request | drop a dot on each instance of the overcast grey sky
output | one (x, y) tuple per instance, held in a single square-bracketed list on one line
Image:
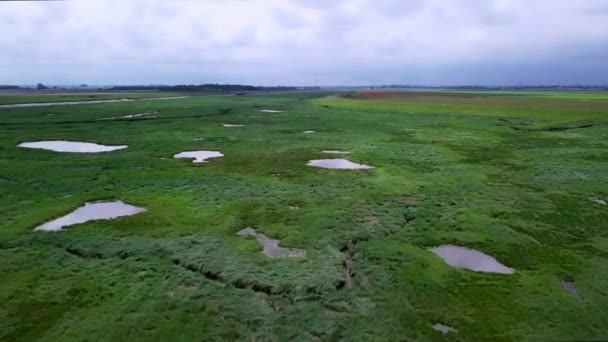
[(295, 42)]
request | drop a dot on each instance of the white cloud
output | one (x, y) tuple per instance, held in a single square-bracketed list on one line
[(298, 41)]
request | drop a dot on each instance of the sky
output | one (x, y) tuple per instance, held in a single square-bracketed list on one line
[(305, 42)]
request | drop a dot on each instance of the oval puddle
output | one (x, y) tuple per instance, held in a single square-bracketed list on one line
[(341, 164), (71, 146), (91, 211), (308, 132), (232, 125), (270, 246), (471, 259), (198, 156), (271, 111)]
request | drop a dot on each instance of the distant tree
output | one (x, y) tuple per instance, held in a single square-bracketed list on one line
[(41, 86)]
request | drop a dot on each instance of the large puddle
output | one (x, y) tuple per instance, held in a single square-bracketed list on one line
[(308, 132), (271, 111), (271, 246), (232, 125), (46, 104), (198, 156), (92, 211), (335, 152), (341, 164), (71, 146), (470, 259)]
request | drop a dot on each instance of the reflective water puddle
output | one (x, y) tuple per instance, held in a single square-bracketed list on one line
[(571, 288), (164, 98), (307, 132), (232, 125), (45, 104), (132, 116), (271, 246), (341, 164), (91, 211), (462, 257), (599, 201), (444, 329), (271, 111), (198, 156), (71, 146), (335, 152)]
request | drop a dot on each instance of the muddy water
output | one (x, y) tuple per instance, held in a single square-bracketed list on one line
[(462, 257), (91, 211), (71, 146), (341, 164), (270, 246), (198, 156)]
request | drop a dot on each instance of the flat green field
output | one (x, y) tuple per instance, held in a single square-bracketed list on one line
[(521, 178)]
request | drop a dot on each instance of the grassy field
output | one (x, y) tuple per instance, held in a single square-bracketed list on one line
[(517, 177)]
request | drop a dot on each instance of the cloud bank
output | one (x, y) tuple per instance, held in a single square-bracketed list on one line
[(301, 42)]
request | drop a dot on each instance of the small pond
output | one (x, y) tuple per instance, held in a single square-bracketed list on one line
[(342, 164), (271, 247), (103, 210), (470, 259), (71, 146), (198, 156)]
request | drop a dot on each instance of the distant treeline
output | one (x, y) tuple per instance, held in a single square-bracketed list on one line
[(4, 86), (203, 87)]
